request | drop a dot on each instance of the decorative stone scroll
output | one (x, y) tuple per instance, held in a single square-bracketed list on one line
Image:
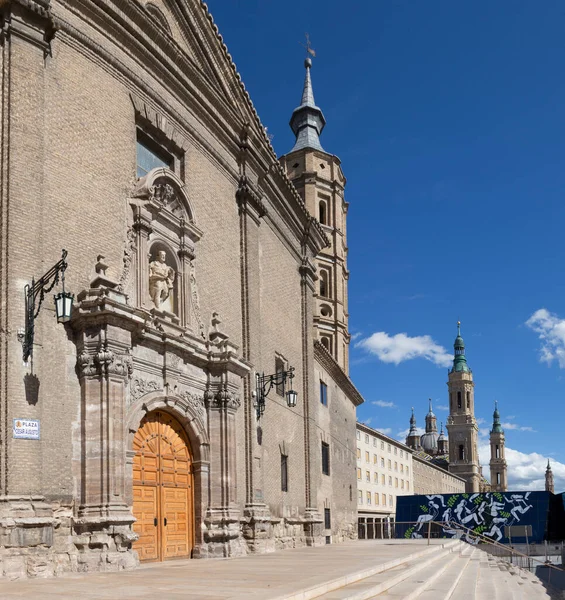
[(139, 387)]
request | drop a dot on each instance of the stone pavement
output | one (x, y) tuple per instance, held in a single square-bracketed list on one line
[(299, 573)]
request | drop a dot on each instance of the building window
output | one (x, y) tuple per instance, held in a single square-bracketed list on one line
[(389, 447), (382, 462), (359, 453), (323, 393), (323, 213), (150, 155), (358, 473), (360, 496), (458, 399), (389, 465), (325, 284), (395, 466), (498, 478), (368, 476), (396, 482), (366, 438), (402, 484), (406, 471), (382, 445), (401, 454), (279, 368), (383, 499), (390, 500), (325, 458), (375, 442), (375, 459), (402, 468), (497, 453), (367, 457), (284, 473), (461, 452), (358, 434), (390, 481), (369, 497), (327, 343), (395, 450), (376, 477), (383, 479), (468, 399), (327, 518), (376, 498)]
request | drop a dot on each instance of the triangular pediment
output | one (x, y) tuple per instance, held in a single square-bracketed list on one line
[(193, 31)]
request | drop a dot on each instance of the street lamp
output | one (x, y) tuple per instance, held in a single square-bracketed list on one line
[(35, 293), (265, 383)]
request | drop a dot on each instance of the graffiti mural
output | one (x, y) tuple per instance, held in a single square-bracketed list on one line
[(482, 513)]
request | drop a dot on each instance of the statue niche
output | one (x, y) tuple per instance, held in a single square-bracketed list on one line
[(162, 279), (163, 249)]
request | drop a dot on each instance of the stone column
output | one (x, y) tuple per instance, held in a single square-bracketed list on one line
[(103, 521), (222, 533), (142, 228)]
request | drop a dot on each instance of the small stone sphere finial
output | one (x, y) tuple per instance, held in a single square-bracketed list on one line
[(308, 62)]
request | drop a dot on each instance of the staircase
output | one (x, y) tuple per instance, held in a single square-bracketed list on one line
[(453, 570)]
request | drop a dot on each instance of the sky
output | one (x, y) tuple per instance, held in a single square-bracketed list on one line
[(449, 120)]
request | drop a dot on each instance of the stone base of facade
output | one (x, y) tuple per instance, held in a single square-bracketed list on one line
[(222, 535)]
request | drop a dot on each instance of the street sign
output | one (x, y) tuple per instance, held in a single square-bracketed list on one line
[(26, 429)]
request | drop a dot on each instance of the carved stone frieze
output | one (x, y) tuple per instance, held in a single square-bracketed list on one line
[(222, 398), (196, 403), (140, 386)]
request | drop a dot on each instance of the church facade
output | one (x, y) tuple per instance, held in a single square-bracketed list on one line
[(197, 403)]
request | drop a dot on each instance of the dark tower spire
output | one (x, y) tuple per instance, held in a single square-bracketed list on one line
[(413, 439), (549, 486), (307, 120), (498, 466)]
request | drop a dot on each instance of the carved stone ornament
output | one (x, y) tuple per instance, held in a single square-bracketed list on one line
[(139, 387), (196, 303), (129, 252), (105, 362), (196, 403), (224, 398)]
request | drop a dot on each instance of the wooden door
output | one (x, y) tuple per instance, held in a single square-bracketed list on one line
[(162, 489)]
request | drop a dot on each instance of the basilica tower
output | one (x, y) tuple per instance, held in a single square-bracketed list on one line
[(462, 428), (498, 468), (319, 180), (549, 487)]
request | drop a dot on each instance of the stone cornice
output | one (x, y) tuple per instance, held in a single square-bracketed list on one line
[(326, 360)]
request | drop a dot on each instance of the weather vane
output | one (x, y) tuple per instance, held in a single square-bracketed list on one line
[(308, 47)]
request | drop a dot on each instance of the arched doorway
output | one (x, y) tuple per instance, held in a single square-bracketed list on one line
[(162, 489)]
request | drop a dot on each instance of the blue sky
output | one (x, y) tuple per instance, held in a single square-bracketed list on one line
[(449, 119)]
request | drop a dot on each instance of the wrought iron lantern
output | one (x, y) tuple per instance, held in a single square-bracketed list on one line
[(265, 383), (34, 296)]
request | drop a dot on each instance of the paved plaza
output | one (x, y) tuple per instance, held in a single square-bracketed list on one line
[(298, 573)]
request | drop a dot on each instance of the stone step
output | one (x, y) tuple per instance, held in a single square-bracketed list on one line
[(444, 587), (369, 587), (434, 577), (466, 587)]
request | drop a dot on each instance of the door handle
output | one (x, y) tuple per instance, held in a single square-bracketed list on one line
[(155, 521), (165, 521)]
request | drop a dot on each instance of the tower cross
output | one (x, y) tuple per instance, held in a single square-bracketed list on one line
[(308, 46)]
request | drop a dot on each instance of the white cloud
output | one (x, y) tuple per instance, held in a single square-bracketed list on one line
[(480, 421), (551, 331), (525, 471), (367, 421), (384, 430), (401, 347), (442, 407), (383, 404), (517, 427)]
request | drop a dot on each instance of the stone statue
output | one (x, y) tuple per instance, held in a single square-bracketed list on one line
[(161, 278)]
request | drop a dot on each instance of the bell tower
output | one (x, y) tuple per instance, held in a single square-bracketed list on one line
[(463, 432), (498, 468), (319, 180)]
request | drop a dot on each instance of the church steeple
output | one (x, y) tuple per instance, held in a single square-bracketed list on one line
[(498, 466), (431, 421), (459, 359), (549, 486), (413, 438), (307, 120)]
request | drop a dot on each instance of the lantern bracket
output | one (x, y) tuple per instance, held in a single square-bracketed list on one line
[(265, 383), (34, 296)]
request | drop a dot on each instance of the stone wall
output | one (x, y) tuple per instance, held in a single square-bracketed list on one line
[(431, 479)]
